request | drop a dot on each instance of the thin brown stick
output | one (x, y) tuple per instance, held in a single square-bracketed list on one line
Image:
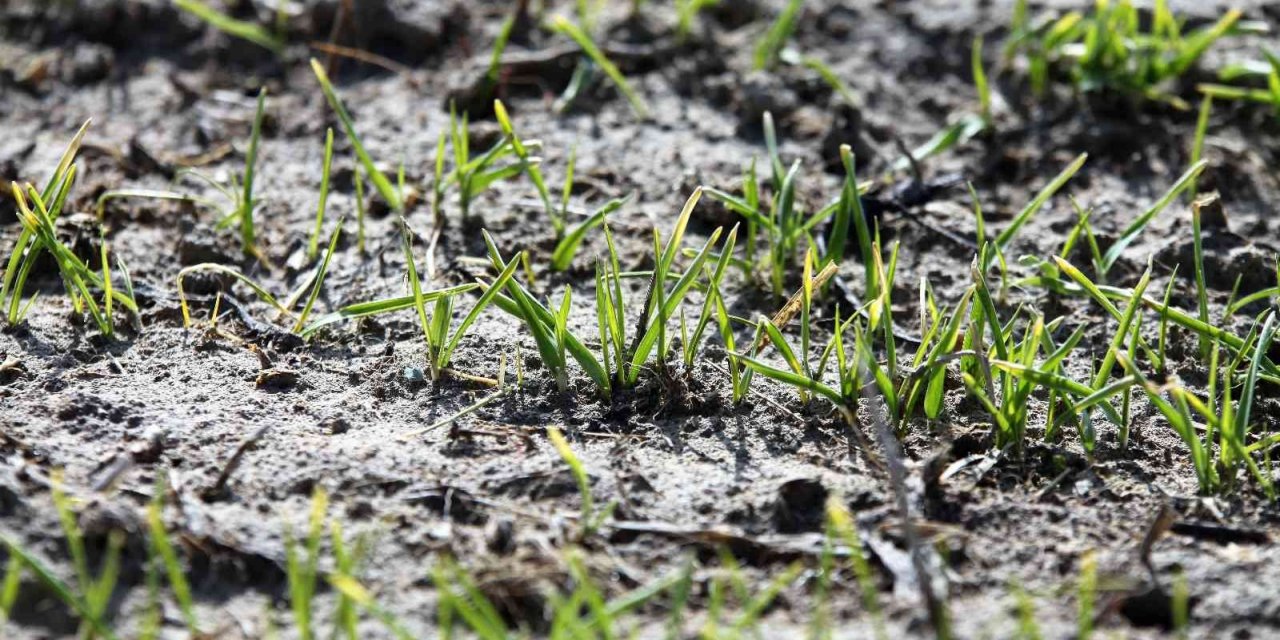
[(365, 57)]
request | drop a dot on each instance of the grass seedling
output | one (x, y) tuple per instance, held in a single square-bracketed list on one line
[(661, 305), (436, 324), (352, 591), (1086, 595), (389, 193), (1005, 238), (345, 561), (686, 12), (591, 518), (78, 277), (825, 72), (1202, 293), (313, 246), (154, 194), (1268, 70), (528, 165), (318, 281), (786, 226), (474, 175), (493, 72), (359, 180), (770, 46), (245, 30), (301, 571), (849, 367), (549, 328), (712, 302), (20, 557), (588, 46), (248, 235), (28, 247), (980, 83), (9, 587), (1028, 628), (650, 341), (1197, 145), (162, 549), (261, 292), (840, 526), (567, 247), (1136, 227), (96, 592)]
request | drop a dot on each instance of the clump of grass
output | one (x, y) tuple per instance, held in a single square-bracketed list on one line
[(436, 324), (622, 357), (28, 246), (786, 226), (1108, 49), (96, 591), (243, 29), (21, 559), (852, 368), (393, 196), (581, 36), (549, 326), (78, 277), (473, 175)]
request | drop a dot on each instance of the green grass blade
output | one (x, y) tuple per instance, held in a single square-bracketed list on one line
[(1005, 237), (568, 245), (490, 291), (560, 24), (245, 30), (770, 46), (1135, 228), (314, 245), (319, 280), (380, 181)]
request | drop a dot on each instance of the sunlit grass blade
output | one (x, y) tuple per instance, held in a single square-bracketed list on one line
[(55, 584), (527, 164), (261, 292), (243, 29), (770, 45), (1135, 228), (161, 548), (559, 23), (248, 233), (319, 279), (568, 245), (378, 307), (313, 245), (380, 181), (1010, 232)]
